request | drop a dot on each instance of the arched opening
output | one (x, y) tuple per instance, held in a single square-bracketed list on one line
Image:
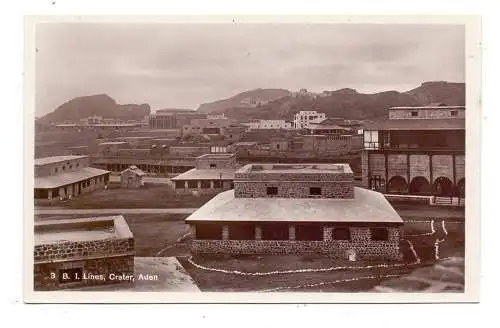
[(461, 187), (397, 184), (420, 185), (443, 187)]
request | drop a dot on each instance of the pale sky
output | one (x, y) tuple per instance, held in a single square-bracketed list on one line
[(184, 65)]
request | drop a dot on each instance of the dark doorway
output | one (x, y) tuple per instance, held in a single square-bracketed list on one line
[(398, 185), (420, 185), (443, 187), (275, 232)]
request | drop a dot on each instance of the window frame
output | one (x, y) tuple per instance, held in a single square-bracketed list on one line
[(272, 191)]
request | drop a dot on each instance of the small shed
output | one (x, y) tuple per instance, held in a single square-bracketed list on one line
[(132, 177)]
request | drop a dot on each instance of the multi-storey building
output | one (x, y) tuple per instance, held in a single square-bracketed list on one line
[(417, 150), (172, 119), (270, 124), (302, 119), (297, 209), (62, 177)]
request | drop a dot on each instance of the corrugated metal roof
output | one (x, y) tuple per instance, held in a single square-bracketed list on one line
[(55, 159), (66, 178)]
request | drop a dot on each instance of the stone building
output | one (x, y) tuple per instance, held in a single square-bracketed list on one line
[(302, 118), (206, 126), (132, 177), (172, 118), (82, 252), (64, 177), (297, 209), (417, 151), (213, 173)]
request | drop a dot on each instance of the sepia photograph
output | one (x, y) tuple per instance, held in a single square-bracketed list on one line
[(262, 157)]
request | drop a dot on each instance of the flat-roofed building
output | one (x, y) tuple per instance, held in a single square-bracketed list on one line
[(213, 173), (172, 118), (63, 177), (297, 209), (417, 151), (71, 253)]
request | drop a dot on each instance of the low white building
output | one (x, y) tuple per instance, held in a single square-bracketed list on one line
[(304, 117), (270, 124)]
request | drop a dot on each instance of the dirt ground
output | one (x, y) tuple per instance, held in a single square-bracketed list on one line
[(150, 196)]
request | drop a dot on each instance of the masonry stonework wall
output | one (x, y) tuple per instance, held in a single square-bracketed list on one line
[(360, 242), (460, 167), (419, 166), (397, 166), (290, 189), (442, 166), (118, 265), (364, 169), (377, 164)]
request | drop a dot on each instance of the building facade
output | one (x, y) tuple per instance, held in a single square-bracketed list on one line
[(132, 177), (213, 173), (82, 252), (65, 177), (270, 124), (417, 151), (297, 209), (172, 119), (302, 119)]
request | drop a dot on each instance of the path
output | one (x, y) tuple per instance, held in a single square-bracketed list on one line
[(98, 211), (159, 180)]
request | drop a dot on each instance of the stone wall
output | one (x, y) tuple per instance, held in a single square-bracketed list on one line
[(335, 248), (442, 166), (46, 274), (420, 166), (71, 250), (360, 242), (293, 189), (203, 163), (426, 114)]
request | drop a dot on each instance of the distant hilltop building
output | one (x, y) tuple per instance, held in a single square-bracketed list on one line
[(302, 119), (253, 102), (297, 209), (418, 151), (172, 119)]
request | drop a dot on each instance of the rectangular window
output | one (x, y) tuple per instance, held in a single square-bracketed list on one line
[(242, 231), (454, 113), (272, 190), (217, 184), (341, 234), (205, 184), (315, 191), (380, 234), (275, 231), (308, 232), (55, 170), (192, 184), (414, 114), (213, 165), (179, 184), (209, 231), (371, 139)]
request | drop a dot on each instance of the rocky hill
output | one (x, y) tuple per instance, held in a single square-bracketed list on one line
[(247, 99), (346, 103), (100, 105)]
